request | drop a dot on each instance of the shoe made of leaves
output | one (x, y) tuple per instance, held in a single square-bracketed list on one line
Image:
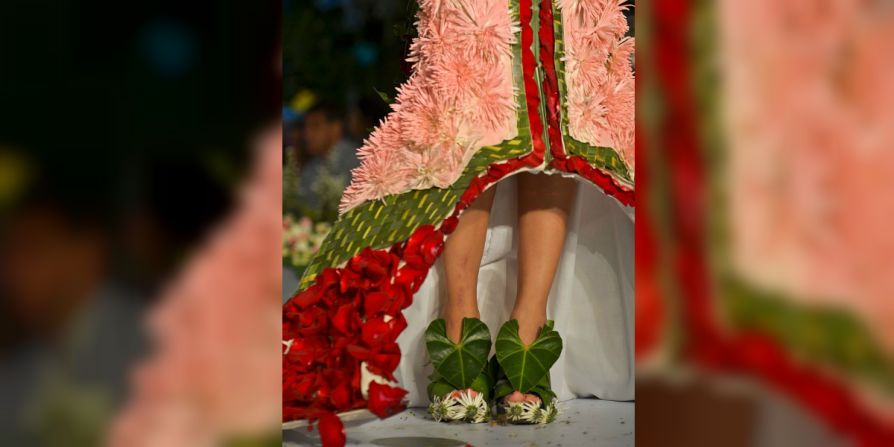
[(525, 368), (461, 385)]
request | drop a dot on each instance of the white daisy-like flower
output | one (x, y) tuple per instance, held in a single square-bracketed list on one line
[(474, 408), (530, 412), (438, 409), (460, 405)]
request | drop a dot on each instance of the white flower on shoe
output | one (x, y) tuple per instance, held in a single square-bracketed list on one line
[(474, 408), (529, 412), (439, 409), (460, 405)]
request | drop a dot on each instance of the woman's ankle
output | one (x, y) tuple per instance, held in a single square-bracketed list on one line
[(529, 324), (454, 319)]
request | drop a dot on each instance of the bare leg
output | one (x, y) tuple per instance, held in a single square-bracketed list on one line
[(544, 203), (462, 259)]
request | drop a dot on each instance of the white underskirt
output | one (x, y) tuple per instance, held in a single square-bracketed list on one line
[(592, 299)]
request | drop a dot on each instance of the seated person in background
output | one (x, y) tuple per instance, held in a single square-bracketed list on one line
[(329, 157)]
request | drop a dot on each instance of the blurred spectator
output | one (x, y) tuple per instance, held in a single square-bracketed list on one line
[(364, 117), (75, 332), (329, 158)]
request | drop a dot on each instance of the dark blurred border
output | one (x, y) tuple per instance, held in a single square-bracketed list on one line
[(125, 130)]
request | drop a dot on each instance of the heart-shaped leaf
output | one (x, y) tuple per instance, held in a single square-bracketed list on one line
[(525, 366), (458, 363)]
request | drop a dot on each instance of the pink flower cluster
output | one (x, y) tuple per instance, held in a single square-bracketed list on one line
[(599, 74), (808, 105), (458, 99), (215, 375)]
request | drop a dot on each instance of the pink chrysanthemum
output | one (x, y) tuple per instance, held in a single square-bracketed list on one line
[(621, 116), (599, 75), (491, 102), (621, 57), (438, 166), (484, 30), (434, 41), (387, 136), (454, 75), (378, 176), (459, 97), (587, 66), (428, 119), (597, 22), (587, 115)]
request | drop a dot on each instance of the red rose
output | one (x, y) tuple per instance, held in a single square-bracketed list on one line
[(389, 300), (291, 413), (327, 279), (349, 282), (411, 280), (375, 265), (301, 387), (311, 321), (288, 332), (346, 318), (450, 224), (306, 350), (302, 300), (383, 361), (397, 250), (377, 332), (384, 400), (332, 432), (423, 247)]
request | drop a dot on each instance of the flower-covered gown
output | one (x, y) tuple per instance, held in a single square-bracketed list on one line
[(499, 87)]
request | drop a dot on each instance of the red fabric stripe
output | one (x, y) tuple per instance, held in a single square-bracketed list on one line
[(550, 81), (529, 65)]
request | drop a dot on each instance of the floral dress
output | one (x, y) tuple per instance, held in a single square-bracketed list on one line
[(499, 87)]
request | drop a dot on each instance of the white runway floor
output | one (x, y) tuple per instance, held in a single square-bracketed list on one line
[(581, 422)]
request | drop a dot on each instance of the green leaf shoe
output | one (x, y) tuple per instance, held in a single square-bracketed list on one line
[(460, 388), (525, 368)]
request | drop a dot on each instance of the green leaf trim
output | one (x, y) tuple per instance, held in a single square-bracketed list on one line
[(458, 364), (526, 366)]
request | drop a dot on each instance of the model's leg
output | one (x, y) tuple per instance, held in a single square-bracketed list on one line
[(462, 259), (544, 203)]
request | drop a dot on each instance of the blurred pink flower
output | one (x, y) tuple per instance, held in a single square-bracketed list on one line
[(215, 373), (808, 106)]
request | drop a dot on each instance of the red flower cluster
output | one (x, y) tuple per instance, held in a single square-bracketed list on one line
[(351, 315)]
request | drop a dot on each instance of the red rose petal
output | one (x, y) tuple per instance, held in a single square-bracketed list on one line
[(345, 318), (332, 431), (384, 400), (308, 297)]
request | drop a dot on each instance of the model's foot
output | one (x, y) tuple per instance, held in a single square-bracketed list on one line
[(520, 397), (459, 368), (456, 394)]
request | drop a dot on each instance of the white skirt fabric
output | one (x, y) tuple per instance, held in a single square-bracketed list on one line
[(591, 301)]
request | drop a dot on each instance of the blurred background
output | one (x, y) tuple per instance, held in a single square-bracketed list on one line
[(342, 61), (125, 133), (764, 310)]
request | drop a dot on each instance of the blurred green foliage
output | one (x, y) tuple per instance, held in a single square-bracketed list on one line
[(346, 49)]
